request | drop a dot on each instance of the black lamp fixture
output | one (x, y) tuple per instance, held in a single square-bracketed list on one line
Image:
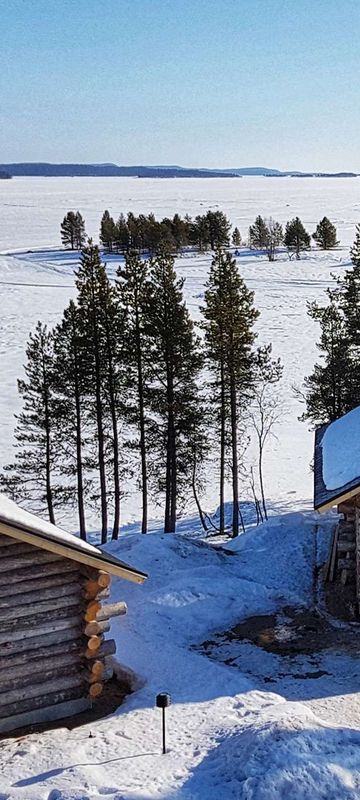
[(163, 701)]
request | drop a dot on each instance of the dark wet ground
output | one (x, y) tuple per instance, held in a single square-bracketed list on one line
[(292, 646)]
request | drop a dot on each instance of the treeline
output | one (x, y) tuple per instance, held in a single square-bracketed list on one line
[(145, 234), (123, 388), (333, 388)]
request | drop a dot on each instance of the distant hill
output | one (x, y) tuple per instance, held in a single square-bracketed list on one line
[(110, 170), (44, 169)]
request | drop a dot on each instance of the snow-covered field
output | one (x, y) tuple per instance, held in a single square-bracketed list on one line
[(36, 285), (228, 736)]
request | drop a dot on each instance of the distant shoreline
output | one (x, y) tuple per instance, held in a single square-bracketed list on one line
[(48, 170)]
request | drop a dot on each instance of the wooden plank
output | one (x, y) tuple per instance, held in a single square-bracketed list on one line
[(48, 714), (357, 555), (84, 557), (29, 669), (334, 555)]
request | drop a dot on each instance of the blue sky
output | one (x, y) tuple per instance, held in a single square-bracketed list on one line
[(203, 83)]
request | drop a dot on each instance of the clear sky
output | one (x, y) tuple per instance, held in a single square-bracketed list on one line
[(223, 83)]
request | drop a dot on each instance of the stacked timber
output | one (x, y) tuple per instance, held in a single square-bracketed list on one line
[(53, 652), (342, 561)]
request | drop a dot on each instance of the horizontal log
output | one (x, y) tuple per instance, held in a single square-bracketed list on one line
[(51, 608), (344, 546), (108, 648), (32, 660), (20, 633), (37, 571), (94, 628), (102, 578), (36, 597), (98, 595), (33, 623), (44, 714), (43, 665), (29, 679), (91, 611), (94, 643), (111, 610), (42, 701), (11, 564), (106, 675), (346, 563), (95, 690), (53, 582), (96, 667), (32, 644), (57, 684), (20, 549)]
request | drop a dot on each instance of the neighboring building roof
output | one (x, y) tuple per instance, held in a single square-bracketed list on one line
[(337, 461), (20, 524)]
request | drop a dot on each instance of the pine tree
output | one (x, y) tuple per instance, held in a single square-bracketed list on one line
[(108, 232), (88, 281), (229, 318), (274, 237), (258, 234), (71, 385), (325, 234), (355, 250), (33, 475), (134, 297), (122, 235), (219, 229), (328, 389), (73, 230), (296, 237), (174, 358), (236, 237)]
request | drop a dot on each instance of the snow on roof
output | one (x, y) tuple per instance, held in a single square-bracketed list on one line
[(15, 521), (341, 450), (337, 459)]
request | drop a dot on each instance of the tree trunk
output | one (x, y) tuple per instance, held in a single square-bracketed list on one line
[(144, 521), (222, 452), (235, 468), (49, 494), (99, 422), (196, 498), (79, 462)]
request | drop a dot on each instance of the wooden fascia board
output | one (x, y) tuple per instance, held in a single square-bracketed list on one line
[(61, 549), (341, 498)]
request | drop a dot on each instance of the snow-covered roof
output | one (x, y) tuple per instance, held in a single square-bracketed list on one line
[(20, 524), (337, 460)]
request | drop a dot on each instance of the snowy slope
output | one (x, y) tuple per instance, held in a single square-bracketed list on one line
[(227, 738)]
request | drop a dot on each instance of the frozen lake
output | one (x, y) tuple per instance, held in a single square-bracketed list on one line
[(38, 285), (31, 209)]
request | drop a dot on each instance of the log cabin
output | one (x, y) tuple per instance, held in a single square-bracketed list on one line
[(337, 485), (53, 619)]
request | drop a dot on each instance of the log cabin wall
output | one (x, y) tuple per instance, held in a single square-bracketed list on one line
[(42, 639), (53, 652)]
